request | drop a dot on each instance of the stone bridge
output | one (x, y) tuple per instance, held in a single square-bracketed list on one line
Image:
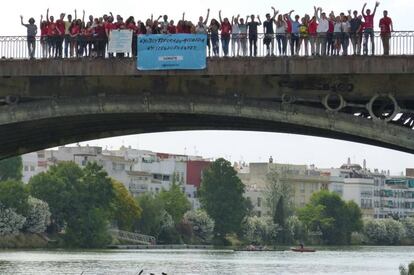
[(46, 103)]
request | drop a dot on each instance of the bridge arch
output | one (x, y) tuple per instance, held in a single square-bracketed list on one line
[(31, 126)]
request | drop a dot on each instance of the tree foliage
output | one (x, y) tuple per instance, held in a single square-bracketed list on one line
[(13, 195), (80, 201), (202, 226), (90, 230), (58, 188), (295, 230), (175, 202), (152, 210), (38, 216), (384, 231), (221, 195), (260, 230), (11, 169), (10, 221), (328, 213), (125, 209), (278, 198), (408, 224)]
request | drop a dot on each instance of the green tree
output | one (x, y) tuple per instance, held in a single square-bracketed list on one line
[(175, 202), (152, 212), (91, 196), (278, 196), (260, 230), (80, 201), (202, 226), (221, 195), (11, 169), (58, 188), (336, 219), (14, 195), (125, 209), (90, 230)]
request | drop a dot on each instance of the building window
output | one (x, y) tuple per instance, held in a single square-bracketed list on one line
[(259, 202), (302, 188), (26, 168), (32, 168)]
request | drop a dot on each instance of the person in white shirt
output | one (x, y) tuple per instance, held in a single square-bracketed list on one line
[(281, 27), (323, 27), (202, 28), (235, 36), (243, 36)]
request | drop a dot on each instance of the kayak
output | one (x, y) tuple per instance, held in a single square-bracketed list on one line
[(303, 250)]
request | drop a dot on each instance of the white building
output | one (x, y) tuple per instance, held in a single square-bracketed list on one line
[(139, 170)]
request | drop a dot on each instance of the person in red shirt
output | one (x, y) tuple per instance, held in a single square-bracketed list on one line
[(312, 26), (369, 28), (386, 27), (51, 34), (171, 28), (60, 28), (109, 26), (74, 31), (43, 37), (131, 25), (225, 34)]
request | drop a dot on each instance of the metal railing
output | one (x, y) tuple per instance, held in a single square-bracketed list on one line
[(401, 43), (133, 237)]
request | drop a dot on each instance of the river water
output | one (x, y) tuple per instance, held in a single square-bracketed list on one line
[(349, 260)]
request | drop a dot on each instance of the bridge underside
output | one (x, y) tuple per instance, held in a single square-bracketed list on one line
[(45, 103), (32, 126)]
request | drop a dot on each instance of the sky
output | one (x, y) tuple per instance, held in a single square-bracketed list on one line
[(235, 146)]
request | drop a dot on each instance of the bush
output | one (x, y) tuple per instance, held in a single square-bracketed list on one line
[(22, 241), (408, 224), (38, 217), (295, 230), (387, 231), (201, 224), (260, 230), (10, 222)]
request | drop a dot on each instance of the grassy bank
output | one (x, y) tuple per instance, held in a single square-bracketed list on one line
[(23, 241)]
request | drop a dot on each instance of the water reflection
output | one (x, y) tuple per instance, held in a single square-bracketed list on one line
[(355, 260)]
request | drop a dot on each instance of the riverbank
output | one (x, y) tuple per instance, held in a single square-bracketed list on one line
[(24, 241)]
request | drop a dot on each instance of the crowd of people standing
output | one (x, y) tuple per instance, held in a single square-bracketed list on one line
[(319, 34)]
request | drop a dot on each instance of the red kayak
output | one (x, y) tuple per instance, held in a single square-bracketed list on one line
[(303, 250)]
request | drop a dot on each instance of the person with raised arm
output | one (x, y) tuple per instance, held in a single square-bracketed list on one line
[(269, 38), (43, 37), (386, 27), (51, 34), (252, 25), (202, 28), (60, 28), (243, 36), (312, 27), (294, 38), (214, 30), (369, 28), (235, 36), (31, 36), (281, 29), (225, 34), (322, 29), (67, 38)]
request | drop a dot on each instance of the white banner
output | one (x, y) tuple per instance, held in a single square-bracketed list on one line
[(120, 41)]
